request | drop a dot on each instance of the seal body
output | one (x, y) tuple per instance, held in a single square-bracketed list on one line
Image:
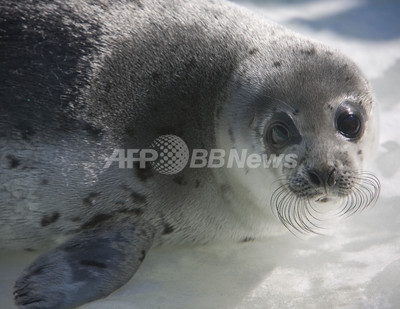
[(83, 78)]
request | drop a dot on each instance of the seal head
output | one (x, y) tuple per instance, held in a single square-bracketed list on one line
[(316, 114)]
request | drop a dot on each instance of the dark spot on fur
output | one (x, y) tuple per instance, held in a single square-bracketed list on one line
[(92, 263), (70, 247), (224, 188), (185, 109), (199, 124), (137, 211), (168, 229), (178, 130), (359, 152), (197, 183), (141, 258), (44, 182), (247, 239), (277, 64), (253, 51), (76, 219), (138, 3), (155, 76), (143, 173), (29, 250), (230, 132), (26, 131), (218, 112), (180, 180), (138, 198), (130, 131), (134, 211), (89, 200), (13, 162), (96, 220), (37, 271), (308, 52), (92, 130), (46, 220)]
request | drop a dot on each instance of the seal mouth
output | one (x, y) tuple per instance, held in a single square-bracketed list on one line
[(327, 198), (301, 211), (323, 199)]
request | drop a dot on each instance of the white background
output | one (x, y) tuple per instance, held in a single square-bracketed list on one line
[(356, 265)]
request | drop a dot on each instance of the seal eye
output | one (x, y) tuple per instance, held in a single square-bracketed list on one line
[(278, 135), (349, 125), (280, 132)]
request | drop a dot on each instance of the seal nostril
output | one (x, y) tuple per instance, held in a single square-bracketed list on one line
[(331, 177), (315, 178)]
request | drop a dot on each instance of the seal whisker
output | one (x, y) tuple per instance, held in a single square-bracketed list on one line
[(365, 193), (350, 200), (295, 213), (309, 214), (359, 202)]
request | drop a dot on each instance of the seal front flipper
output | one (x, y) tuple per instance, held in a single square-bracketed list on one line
[(89, 266)]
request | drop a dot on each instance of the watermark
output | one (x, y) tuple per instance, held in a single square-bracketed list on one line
[(173, 154), (169, 154)]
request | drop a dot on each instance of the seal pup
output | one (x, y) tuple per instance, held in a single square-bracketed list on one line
[(82, 78)]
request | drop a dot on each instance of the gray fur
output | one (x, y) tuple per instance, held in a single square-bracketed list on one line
[(85, 77)]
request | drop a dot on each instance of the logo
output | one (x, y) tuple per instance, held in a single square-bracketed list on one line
[(173, 154), (169, 154)]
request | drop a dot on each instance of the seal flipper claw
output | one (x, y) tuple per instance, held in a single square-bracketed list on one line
[(89, 266)]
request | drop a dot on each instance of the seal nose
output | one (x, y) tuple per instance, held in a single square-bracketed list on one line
[(320, 178)]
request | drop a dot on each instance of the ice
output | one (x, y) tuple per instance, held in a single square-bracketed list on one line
[(356, 265)]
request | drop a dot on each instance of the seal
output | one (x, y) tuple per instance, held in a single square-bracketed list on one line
[(83, 79)]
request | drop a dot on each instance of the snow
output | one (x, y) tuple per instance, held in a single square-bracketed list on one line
[(356, 265)]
